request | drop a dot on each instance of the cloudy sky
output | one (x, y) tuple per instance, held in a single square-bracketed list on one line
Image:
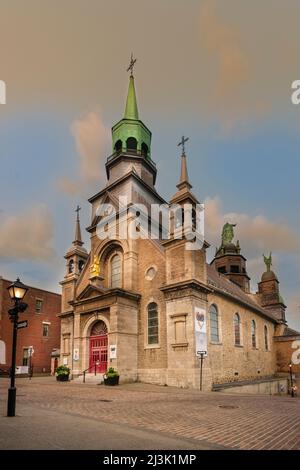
[(218, 71)]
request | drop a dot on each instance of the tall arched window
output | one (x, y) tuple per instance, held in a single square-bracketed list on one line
[(266, 336), (253, 333), (116, 271), (237, 330), (152, 323), (214, 323)]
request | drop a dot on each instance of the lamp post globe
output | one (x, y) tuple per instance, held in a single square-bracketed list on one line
[(17, 290)]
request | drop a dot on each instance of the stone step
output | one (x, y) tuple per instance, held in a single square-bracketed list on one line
[(89, 378)]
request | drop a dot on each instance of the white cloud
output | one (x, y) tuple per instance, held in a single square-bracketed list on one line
[(91, 138), (256, 234), (28, 235)]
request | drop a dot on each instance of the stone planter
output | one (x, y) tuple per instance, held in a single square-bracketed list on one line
[(62, 378), (111, 380)]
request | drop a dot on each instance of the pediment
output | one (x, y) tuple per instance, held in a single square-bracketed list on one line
[(90, 291), (108, 198)]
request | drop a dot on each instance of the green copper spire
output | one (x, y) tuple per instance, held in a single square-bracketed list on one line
[(131, 110), (130, 135)]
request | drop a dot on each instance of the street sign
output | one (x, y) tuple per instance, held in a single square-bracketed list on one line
[(22, 324), (200, 353)]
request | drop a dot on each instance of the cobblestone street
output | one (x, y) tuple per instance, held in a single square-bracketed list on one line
[(212, 420)]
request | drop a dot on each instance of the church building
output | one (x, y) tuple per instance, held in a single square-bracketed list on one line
[(150, 307)]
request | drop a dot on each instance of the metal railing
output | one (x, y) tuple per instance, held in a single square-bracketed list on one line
[(134, 152), (88, 369)]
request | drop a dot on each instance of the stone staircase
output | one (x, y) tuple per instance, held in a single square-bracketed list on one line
[(90, 378)]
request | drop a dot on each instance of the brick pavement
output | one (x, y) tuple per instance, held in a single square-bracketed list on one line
[(246, 422)]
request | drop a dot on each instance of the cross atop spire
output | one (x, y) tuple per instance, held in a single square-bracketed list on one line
[(131, 110), (184, 178), (77, 240), (182, 143), (131, 65), (77, 210)]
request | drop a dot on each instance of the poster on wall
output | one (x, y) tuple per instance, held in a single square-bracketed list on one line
[(200, 331), (76, 354), (113, 351)]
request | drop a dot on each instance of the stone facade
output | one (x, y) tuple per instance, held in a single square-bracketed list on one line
[(147, 291)]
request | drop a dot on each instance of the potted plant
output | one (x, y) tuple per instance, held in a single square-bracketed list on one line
[(62, 373), (111, 377)]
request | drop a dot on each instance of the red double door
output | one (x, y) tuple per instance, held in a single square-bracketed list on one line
[(98, 353)]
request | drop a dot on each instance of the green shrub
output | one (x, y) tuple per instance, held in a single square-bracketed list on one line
[(112, 372), (62, 370)]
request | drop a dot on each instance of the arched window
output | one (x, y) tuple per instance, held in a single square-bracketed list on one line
[(179, 218), (266, 336), (253, 333), (152, 323), (99, 329), (214, 323), (118, 145), (131, 143), (144, 149), (237, 330), (80, 265), (116, 271), (71, 266)]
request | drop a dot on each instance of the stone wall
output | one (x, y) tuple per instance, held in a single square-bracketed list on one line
[(229, 362)]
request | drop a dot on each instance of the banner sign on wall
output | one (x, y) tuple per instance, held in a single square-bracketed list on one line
[(113, 351), (200, 331), (76, 354)]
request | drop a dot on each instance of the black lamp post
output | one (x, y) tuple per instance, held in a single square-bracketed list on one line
[(291, 378), (17, 291)]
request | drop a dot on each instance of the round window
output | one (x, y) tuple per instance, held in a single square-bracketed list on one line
[(150, 273)]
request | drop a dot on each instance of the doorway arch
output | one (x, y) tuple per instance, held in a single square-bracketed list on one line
[(98, 347)]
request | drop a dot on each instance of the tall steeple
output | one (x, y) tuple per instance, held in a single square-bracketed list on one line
[(130, 136), (184, 186), (77, 240), (131, 109), (184, 178), (76, 255)]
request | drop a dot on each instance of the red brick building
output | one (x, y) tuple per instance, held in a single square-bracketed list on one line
[(40, 338)]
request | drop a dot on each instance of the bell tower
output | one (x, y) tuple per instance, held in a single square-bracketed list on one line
[(131, 141), (268, 291), (76, 255), (229, 261)]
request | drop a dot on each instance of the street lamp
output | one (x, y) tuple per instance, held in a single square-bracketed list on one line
[(291, 378), (17, 291)]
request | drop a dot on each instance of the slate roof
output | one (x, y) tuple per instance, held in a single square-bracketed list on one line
[(223, 285), (290, 332)]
